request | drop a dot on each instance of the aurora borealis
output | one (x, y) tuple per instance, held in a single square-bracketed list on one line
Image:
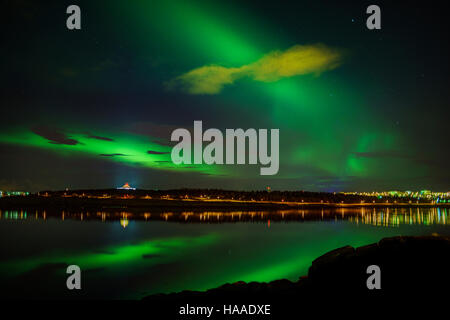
[(357, 109)]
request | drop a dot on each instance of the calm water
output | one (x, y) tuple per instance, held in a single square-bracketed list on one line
[(129, 256)]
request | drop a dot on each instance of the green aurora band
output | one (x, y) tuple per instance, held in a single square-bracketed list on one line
[(319, 115)]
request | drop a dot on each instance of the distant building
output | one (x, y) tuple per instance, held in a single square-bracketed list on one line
[(126, 186)]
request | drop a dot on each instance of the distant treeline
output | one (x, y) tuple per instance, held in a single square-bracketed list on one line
[(211, 194)]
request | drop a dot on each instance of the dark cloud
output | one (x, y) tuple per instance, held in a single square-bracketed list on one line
[(163, 142), (151, 256), (156, 152), (54, 135), (155, 130), (112, 155), (91, 136), (159, 133)]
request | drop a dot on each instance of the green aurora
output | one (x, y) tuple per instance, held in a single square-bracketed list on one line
[(338, 126)]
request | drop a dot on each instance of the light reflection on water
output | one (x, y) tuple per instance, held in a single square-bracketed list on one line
[(129, 255), (384, 217)]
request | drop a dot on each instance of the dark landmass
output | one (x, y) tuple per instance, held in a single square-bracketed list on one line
[(411, 268), (130, 205), (198, 200)]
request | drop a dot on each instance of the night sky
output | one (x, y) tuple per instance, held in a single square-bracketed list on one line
[(357, 109)]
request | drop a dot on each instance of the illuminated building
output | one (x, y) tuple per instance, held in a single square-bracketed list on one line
[(126, 186)]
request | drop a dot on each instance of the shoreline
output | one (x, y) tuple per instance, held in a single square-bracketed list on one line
[(177, 205)]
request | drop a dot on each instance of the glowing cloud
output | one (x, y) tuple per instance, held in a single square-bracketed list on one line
[(297, 60)]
